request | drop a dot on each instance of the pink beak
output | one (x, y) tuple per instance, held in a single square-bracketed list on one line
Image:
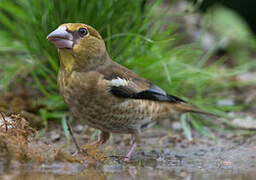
[(61, 38)]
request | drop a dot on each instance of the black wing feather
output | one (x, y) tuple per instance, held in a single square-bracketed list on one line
[(153, 93)]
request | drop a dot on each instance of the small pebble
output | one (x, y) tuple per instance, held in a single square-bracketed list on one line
[(79, 129), (54, 136), (176, 126)]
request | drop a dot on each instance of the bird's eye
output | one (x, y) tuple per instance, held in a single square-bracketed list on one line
[(82, 32)]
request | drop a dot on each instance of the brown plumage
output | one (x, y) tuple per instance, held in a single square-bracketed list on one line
[(104, 94)]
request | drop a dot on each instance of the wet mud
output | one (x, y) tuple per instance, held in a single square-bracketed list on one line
[(163, 154)]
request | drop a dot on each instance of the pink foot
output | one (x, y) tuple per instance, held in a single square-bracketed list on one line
[(75, 153), (128, 155)]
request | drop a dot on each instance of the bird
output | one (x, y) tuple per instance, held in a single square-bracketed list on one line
[(104, 94)]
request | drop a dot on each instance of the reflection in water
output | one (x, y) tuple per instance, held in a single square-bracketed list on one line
[(131, 174), (194, 166)]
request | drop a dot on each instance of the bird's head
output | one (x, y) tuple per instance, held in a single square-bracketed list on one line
[(78, 44)]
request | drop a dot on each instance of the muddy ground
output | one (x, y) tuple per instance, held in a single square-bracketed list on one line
[(164, 154)]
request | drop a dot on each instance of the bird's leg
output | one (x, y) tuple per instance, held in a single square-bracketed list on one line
[(78, 149), (128, 155), (136, 139)]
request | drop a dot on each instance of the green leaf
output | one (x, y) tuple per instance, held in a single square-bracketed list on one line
[(186, 127), (65, 127)]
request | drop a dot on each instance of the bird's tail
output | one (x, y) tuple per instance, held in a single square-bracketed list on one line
[(183, 108)]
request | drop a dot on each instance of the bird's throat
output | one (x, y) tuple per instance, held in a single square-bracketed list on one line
[(67, 60)]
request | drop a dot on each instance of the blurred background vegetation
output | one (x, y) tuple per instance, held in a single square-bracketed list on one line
[(202, 52)]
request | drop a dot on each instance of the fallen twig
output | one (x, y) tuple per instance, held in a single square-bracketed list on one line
[(5, 123)]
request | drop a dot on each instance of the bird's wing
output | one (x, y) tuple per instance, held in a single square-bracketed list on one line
[(130, 89), (124, 83)]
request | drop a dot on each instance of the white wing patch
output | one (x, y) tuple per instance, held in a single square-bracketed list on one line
[(119, 82)]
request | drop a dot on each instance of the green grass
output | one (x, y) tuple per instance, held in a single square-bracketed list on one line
[(134, 37)]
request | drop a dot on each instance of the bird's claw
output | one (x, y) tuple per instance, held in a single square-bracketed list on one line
[(126, 159)]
